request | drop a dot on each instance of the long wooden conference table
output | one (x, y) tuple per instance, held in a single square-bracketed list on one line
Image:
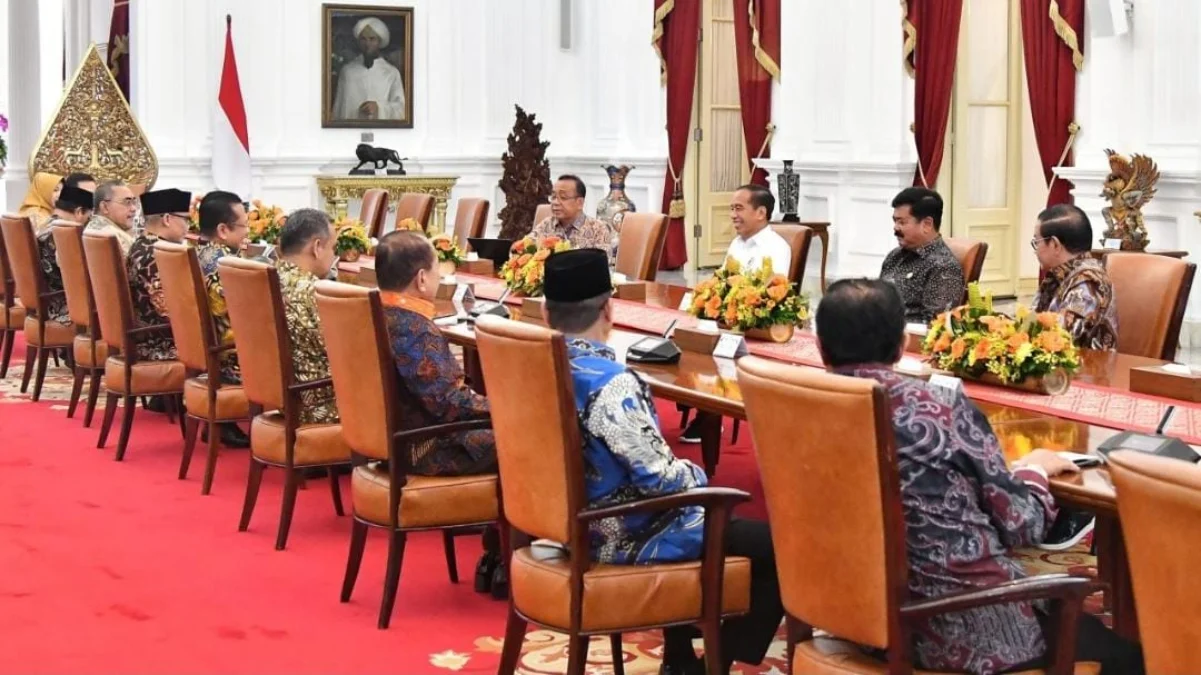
[(707, 384)]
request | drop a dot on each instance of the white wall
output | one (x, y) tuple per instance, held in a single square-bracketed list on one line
[(600, 102), (1140, 93)]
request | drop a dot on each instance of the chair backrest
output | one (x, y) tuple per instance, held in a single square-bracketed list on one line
[(73, 264), (256, 314), (110, 288), (1151, 293), (23, 260), (374, 211), (7, 287), (187, 305), (419, 207), (1160, 509), (361, 365), (970, 253), (835, 510), (641, 245), (798, 237), (538, 447), (471, 219), (542, 213)]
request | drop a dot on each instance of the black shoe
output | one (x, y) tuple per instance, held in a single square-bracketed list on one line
[(231, 436), (1069, 528), (483, 572), (694, 667), (156, 404), (500, 583)]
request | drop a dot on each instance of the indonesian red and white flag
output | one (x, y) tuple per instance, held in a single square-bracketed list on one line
[(231, 137)]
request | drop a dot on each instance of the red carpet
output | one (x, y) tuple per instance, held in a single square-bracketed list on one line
[(121, 568)]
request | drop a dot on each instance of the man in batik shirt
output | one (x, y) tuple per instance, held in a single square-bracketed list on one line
[(114, 211), (74, 205), (627, 459), (1076, 284), (167, 219), (306, 247), (223, 228), (568, 220), (965, 510), (922, 267)]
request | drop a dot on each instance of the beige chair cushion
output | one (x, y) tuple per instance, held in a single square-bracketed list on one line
[(425, 501), (83, 352), (315, 443), (617, 597), (148, 377), (830, 656), (57, 334), (231, 400), (17, 315)]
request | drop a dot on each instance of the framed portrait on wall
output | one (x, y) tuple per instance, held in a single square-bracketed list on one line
[(367, 67)]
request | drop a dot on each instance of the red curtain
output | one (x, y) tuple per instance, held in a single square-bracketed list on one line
[(676, 33), (118, 45), (1052, 33), (757, 43), (931, 43)]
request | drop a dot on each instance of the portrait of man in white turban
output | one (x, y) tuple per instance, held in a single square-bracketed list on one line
[(368, 86)]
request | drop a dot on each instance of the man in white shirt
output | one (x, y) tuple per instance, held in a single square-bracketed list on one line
[(750, 212), (370, 88)]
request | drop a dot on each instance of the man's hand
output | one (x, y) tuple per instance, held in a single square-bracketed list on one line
[(1050, 462), (369, 110)]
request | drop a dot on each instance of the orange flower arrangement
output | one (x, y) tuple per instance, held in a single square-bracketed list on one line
[(194, 213), (446, 249), (972, 340), (266, 222), (351, 240), (409, 224), (748, 300), (523, 272)]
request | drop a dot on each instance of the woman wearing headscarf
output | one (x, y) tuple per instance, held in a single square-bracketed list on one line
[(39, 200)]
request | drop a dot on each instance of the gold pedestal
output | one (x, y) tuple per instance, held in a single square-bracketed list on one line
[(338, 190)]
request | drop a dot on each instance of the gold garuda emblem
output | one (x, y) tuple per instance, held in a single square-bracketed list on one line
[(94, 131), (1128, 187)]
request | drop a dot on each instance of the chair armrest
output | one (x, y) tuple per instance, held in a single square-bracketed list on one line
[(1043, 586), (312, 384), (144, 330), (706, 497), (222, 348), (412, 435)]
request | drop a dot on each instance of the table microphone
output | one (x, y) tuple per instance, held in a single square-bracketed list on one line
[(490, 308), (655, 350), (1155, 444)]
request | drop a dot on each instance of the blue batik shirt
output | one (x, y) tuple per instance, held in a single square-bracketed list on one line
[(626, 459)]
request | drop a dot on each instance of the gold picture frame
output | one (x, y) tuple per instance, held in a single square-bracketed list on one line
[(356, 96)]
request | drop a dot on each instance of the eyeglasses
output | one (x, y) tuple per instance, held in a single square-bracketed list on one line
[(560, 198), (130, 202), (1034, 241)]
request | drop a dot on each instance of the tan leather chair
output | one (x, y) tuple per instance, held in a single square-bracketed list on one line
[(471, 220), (90, 351), (368, 391), (374, 211), (542, 483), (971, 254), (1151, 292), (206, 398), (851, 579), (419, 207), (42, 337), (125, 377), (641, 245), (1160, 508), (256, 313), (799, 238), (12, 312), (541, 213)]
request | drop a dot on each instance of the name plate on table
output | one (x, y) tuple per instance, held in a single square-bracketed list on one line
[(730, 346), (1170, 381), (631, 290), (533, 310), (685, 302), (915, 334), (480, 266), (367, 273), (945, 387), (1112, 244), (456, 292)]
